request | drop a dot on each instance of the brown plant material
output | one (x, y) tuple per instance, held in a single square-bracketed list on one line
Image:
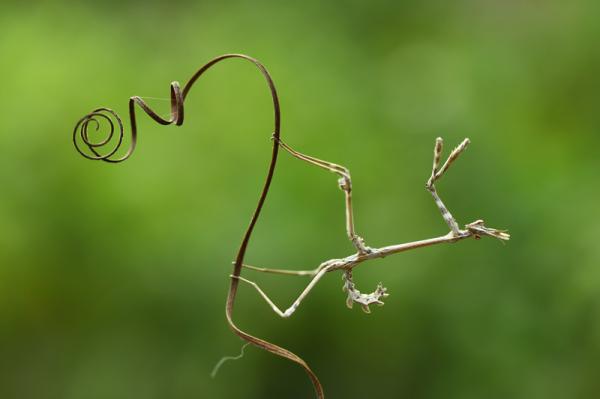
[(107, 148)]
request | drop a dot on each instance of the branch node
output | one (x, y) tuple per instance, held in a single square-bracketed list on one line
[(345, 184), (359, 243)]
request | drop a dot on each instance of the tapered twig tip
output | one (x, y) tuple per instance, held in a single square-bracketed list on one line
[(478, 229), (437, 154), (461, 147)]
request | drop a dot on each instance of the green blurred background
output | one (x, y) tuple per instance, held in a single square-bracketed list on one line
[(113, 278)]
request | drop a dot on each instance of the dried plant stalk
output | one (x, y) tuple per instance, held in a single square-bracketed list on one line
[(96, 150), (364, 253)]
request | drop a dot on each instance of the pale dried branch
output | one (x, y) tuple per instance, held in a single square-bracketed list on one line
[(345, 184), (436, 174), (288, 312), (282, 271), (476, 230)]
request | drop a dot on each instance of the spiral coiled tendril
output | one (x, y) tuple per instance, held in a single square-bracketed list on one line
[(81, 134), (105, 149), (94, 150)]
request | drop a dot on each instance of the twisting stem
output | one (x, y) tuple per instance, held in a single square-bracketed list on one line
[(82, 140)]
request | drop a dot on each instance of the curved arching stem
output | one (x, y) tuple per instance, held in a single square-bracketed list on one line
[(178, 97)]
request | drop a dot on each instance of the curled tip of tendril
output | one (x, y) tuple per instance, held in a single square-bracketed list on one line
[(107, 147), (96, 122)]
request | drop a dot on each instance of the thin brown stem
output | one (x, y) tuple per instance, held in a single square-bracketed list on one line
[(282, 271), (91, 149)]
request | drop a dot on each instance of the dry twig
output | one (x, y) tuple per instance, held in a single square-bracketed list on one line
[(92, 150), (364, 253)]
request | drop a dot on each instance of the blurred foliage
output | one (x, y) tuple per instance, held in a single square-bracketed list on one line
[(113, 277)]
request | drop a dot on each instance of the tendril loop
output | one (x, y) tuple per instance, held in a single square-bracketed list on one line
[(81, 134)]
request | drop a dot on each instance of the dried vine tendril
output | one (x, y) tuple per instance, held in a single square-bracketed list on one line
[(81, 134), (97, 150), (92, 149)]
